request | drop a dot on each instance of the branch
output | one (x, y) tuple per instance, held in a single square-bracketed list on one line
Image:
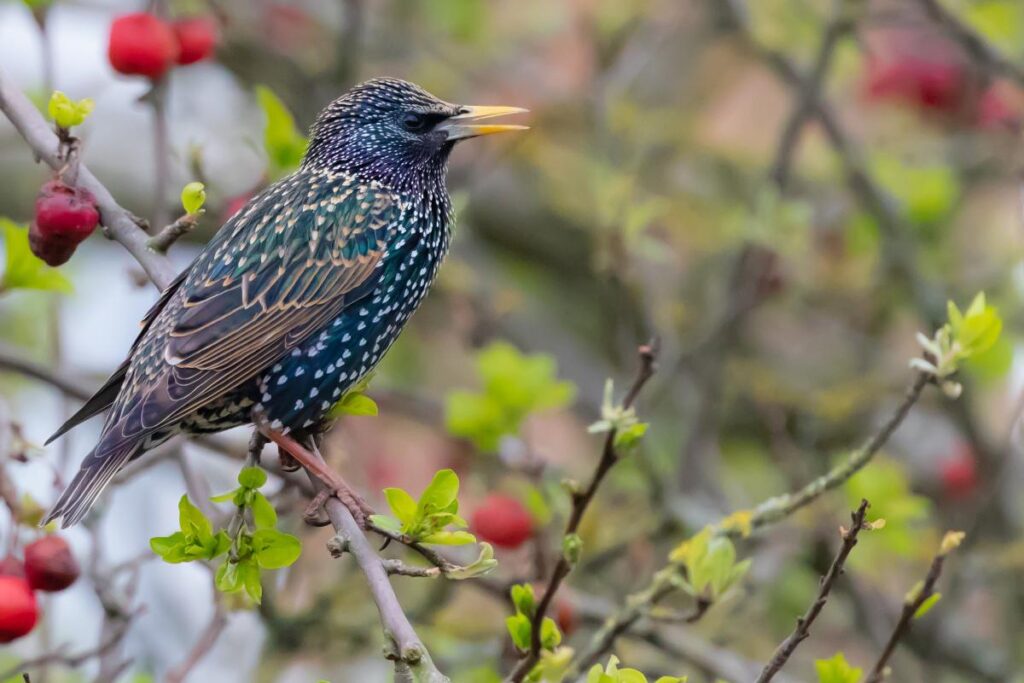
[(918, 596), (118, 222), (404, 648), (163, 240), (580, 501), (638, 604), (803, 624), (207, 639), (973, 44)]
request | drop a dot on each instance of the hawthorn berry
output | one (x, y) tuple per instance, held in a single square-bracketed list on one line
[(142, 44), (197, 37), (64, 216), (19, 611), (49, 564), (503, 521), (959, 474)]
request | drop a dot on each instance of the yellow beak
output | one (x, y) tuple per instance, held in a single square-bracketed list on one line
[(464, 125)]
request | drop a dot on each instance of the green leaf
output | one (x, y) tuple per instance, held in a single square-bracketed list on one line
[(193, 196), (837, 670), (523, 598), (227, 579), (630, 436), (284, 145), (263, 514), (274, 549), (354, 403), (169, 548), (23, 270), (550, 636), (65, 112), (442, 491), (483, 564), (193, 522), (387, 523), (518, 627), (927, 605), (252, 477), (401, 503), (249, 574), (449, 538), (225, 497)]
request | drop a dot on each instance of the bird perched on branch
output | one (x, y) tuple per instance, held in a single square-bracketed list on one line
[(300, 293)]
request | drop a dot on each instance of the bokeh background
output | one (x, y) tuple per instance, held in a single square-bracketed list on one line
[(662, 190)]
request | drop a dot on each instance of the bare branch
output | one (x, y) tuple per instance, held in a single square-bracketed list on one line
[(803, 624), (118, 222), (163, 240), (915, 599)]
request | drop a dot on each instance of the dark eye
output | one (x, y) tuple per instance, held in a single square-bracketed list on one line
[(415, 123)]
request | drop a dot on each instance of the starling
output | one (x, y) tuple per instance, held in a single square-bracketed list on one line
[(299, 294)]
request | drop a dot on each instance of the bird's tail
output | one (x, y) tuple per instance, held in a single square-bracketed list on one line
[(98, 468)]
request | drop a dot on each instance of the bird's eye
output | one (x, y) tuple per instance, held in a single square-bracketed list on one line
[(414, 123)]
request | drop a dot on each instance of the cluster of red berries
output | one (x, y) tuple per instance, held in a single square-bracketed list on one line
[(49, 566), (64, 216), (143, 44), (939, 86)]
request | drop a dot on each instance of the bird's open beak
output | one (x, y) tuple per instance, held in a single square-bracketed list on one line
[(463, 125)]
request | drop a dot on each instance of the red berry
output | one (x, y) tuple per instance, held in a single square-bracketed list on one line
[(11, 566), (64, 217), (929, 84), (565, 616), (142, 44), (503, 521), (196, 38), (18, 609), (959, 474), (49, 564)]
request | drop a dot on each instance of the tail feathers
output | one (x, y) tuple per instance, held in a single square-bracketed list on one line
[(102, 400), (97, 470)]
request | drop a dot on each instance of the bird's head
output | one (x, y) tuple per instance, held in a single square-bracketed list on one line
[(395, 132)]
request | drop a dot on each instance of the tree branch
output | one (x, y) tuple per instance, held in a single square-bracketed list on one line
[(580, 501), (118, 222), (803, 624)]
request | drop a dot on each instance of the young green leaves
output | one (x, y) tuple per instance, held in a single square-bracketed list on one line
[(520, 624), (837, 670), (193, 196), (252, 549), (22, 269), (424, 520), (967, 334), (613, 674), (66, 112), (628, 429), (711, 566), (355, 401), (514, 386)]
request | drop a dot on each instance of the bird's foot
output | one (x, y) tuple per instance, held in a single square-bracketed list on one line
[(315, 513)]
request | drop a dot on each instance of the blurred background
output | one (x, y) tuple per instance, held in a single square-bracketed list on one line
[(783, 191)]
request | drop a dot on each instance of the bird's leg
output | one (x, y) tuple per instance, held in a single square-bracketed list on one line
[(314, 463)]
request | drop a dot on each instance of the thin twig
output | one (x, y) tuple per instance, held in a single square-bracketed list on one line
[(116, 220), (580, 502), (639, 603), (163, 240), (803, 624), (204, 643), (911, 605)]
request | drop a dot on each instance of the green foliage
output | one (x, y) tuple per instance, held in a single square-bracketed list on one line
[(967, 335), (195, 540), (253, 549), (355, 401), (711, 566), (836, 670), (193, 196), (284, 144), (66, 112), (927, 193), (613, 674), (23, 270), (514, 385), (424, 520), (520, 624)]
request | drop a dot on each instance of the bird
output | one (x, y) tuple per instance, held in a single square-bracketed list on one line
[(299, 294)]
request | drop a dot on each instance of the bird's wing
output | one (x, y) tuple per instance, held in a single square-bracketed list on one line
[(282, 269), (107, 394)]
